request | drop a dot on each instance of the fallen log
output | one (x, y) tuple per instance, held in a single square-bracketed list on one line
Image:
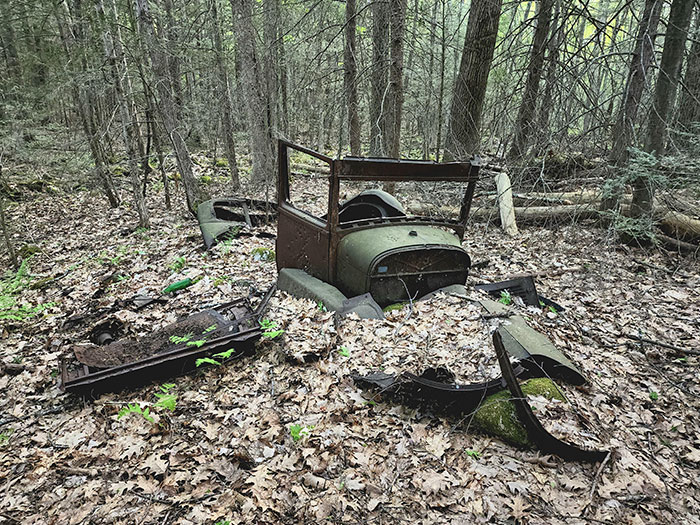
[(679, 225), (309, 167), (505, 204)]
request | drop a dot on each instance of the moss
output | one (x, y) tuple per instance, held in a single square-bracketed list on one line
[(497, 416), (28, 250), (395, 306)]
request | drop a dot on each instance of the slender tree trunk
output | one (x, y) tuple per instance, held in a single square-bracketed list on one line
[(623, 131), (167, 106), (8, 39), (224, 95), (395, 91), (524, 128), (546, 106), (172, 58), (379, 78), (11, 252), (689, 110), (251, 81), (83, 104), (350, 77), (664, 99), (441, 86), (470, 89), (114, 55), (271, 60)]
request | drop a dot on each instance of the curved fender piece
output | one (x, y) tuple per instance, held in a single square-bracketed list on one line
[(446, 395), (545, 441)]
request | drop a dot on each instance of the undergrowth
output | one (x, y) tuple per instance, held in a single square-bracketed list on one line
[(11, 286)]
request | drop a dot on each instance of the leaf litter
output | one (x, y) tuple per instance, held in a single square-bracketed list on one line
[(226, 452)]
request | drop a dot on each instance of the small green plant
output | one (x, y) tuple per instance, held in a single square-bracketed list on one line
[(206, 179), (5, 436), (198, 343), (344, 351), (177, 339), (506, 298), (221, 163), (223, 522), (166, 399), (210, 329), (206, 361), (177, 265), (225, 355), (473, 453), (135, 408), (298, 431), (654, 396), (263, 254), (11, 286), (271, 330), (321, 306)]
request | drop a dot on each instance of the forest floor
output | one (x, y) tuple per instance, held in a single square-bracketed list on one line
[(285, 436)]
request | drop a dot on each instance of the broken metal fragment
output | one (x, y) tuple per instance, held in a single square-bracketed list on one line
[(169, 352), (434, 385), (523, 287), (534, 350), (219, 217), (545, 441)]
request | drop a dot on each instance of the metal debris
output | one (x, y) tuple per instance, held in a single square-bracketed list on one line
[(117, 366), (545, 441), (221, 217)]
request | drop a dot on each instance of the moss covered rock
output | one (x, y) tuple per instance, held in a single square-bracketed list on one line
[(497, 416)]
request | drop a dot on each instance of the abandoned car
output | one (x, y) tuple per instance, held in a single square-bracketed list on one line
[(370, 244)]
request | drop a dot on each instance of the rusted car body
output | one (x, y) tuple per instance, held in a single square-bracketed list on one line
[(369, 243)]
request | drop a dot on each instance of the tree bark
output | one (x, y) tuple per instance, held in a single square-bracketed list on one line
[(395, 91), (82, 99), (524, 128), (250, 77), (114, 55), (623, 131), (350, 78), (224, 95), (470, 89), (689, 110), (167, 106), (669, 73), (379, 78), (664, 99)]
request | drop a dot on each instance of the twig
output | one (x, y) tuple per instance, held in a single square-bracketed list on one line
[(689, 351), (594, 485)]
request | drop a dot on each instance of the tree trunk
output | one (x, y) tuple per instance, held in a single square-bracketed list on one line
[(261, 147), (395, 92), (7, 39), (379, 78), (224, 95), (350, 77), (11, 252), (167, 106), (689, 110), (114, 55), (524, 129), (623, 131), (470, 89), (82, 99), (664, 99), (546, 106), (669, 73)]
